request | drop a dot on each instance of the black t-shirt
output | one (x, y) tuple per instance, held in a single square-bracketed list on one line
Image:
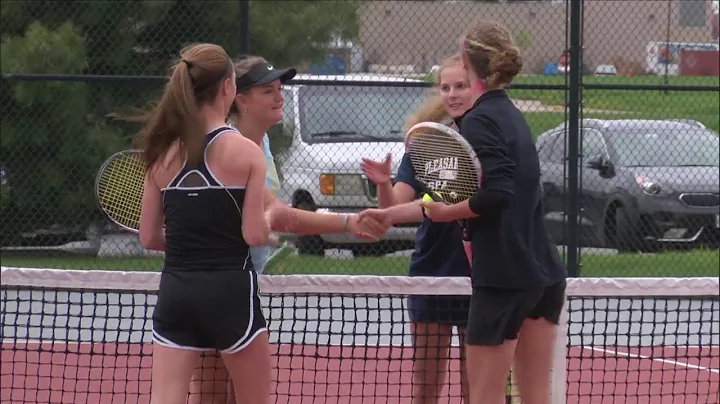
[(511, 247)]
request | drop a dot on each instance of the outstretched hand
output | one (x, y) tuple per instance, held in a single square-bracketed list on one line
[(377, 171), (369, 224)]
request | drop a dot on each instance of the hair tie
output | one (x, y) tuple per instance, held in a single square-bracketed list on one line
[(478, 44), (189, 64)]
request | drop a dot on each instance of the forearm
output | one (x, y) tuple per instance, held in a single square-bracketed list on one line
[(386, 195), (405, 213), (319, 223), (305, 222), (460, 211)]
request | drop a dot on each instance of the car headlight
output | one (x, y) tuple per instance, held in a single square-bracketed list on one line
[(342, 184), (651, 187)]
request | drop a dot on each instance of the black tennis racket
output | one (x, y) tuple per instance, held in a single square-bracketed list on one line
[(445, 164)]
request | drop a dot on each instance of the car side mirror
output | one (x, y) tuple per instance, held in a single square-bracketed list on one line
[(597, 162)]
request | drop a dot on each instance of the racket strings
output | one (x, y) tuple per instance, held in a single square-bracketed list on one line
[(120, 189), (444, 165)]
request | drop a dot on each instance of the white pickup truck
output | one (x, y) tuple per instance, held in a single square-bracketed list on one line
[(332, 128)]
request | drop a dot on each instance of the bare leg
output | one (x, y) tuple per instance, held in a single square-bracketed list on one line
[(250, 371), (172, 369), (210, 382), (431, 344), (487, 368), (463, 366), (533, 360)]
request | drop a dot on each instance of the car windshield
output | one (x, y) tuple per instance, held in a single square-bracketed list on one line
[(331, 114), (665, 148)]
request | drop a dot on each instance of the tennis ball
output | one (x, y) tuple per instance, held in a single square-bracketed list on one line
[(428, 198)]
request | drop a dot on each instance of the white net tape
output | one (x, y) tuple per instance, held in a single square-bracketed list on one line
[(356, 284)]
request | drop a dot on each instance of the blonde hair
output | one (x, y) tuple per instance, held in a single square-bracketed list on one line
[(433, 109), (195, 80), (241, 67), (492, 53)]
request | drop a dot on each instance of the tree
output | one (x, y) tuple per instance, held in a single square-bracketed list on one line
[(56, 134), (300, 31), (48, 147)]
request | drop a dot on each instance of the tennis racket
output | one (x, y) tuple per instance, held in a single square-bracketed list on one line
[(274, 262), (119, 188), (445, 165)]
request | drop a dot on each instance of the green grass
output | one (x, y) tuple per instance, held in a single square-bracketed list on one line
[(668, 264), (701, 106)]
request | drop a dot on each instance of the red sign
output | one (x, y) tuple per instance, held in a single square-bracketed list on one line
[(699, 62)]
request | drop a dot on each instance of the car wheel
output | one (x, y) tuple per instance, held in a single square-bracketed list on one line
[(309, 245), (621, 231), (623, 236), (370, 250)]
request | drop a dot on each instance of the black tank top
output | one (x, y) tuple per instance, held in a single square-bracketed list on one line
[(203, 219)]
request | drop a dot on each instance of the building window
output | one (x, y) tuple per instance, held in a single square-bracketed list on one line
[(692, 13)]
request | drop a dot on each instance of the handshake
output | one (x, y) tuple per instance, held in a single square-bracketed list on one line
[(370, 224)]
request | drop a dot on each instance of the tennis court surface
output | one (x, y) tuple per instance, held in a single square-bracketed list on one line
[(85, 337)]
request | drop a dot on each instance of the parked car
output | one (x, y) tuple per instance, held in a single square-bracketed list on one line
[(332, 127), (644, 184)]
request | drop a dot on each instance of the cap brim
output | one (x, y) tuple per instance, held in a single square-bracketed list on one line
[(282, 74)]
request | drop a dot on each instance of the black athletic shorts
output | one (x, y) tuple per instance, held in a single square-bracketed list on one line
[(496, 315), (449, 310), (208, 310)]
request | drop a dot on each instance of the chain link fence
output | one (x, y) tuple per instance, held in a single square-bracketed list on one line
[(647, 150)]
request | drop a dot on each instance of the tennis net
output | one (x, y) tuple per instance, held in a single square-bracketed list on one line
[(73, 336)]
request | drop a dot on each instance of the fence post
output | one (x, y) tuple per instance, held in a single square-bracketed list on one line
[(574, 137), (244, 27)]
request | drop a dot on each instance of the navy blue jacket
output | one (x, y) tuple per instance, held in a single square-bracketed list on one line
[(510, 245)]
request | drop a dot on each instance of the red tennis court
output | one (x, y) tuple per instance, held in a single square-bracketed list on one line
[(345, 339), (107, 373)]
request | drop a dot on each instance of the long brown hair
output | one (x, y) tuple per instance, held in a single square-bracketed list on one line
[(241, 67), (492, 53), (433, 110), (194, 81)]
